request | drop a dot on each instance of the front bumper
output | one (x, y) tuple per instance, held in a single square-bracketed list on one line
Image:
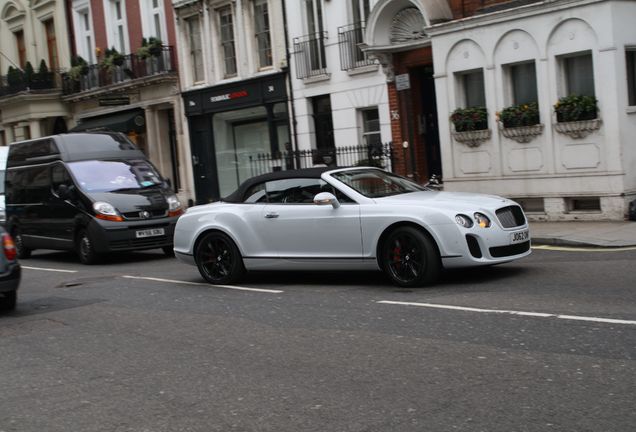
[(121, 236)]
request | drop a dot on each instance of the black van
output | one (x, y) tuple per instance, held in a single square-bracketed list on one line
[(94, 193)]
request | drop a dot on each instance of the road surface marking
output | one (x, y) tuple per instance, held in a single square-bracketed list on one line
[(205, 284), (49, 269), (583, 249), (511, 312)]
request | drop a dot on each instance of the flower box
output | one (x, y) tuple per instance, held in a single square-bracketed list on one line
[(522, 134), (472, 138), (578, 129)]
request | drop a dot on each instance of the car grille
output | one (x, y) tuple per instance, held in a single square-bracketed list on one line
[(504, 251), (511, 216), (140, 243), (136, 215)]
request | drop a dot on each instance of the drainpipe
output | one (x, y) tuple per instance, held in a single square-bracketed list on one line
[(289, 79)]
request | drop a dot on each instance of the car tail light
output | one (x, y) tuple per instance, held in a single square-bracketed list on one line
[(9, 247)]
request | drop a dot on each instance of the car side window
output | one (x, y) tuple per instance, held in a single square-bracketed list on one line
[(255, 194), (299, 191)]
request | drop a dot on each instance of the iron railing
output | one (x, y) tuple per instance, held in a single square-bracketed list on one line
[(310, 55), (380, 155), (351, 55), (129, 67), (38, 81)]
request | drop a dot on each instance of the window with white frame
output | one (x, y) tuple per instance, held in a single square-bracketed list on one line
[(226, 33), (523, 83), (82, 22), (193, 25), (370, 127), (578, 73), (116, 25), (472, 88), (153, 19), (262, 33), (360, 10), (630, 57)]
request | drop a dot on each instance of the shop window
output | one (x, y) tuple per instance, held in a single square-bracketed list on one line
[(371, 127), (523, 83), (262, 33), (472, 88), (226, 28), (196, 51), (578, 71), (631, 75)]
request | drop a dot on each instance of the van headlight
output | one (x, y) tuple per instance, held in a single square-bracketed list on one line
[(174, 206), (106, 211)]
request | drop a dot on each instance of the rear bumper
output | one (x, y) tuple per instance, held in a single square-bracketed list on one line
[(10, 280)]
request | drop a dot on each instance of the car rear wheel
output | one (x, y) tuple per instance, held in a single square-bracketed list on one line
[(218, 259), (9, 301), (410, 258), (22, 251), (86, 248)]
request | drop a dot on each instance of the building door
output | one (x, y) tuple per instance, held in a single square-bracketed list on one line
[(323, 125), (203, 160), (429, 131)]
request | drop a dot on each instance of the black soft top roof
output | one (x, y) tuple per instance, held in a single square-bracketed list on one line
[(237, 195)]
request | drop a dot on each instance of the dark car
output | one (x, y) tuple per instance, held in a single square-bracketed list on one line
[(9, 272)]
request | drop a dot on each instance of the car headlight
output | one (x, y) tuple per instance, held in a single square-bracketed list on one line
[(174, 206), (106, 211), (482, 220), (463, 220)]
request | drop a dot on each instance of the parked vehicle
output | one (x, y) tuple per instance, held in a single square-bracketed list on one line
[(351, 218), (10, 272), (3, 166), (94, 193)]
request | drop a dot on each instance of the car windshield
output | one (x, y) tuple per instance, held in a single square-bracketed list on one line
[(114, 175), (374, 183)]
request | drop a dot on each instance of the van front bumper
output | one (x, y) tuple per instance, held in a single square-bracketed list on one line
[(126, 236)]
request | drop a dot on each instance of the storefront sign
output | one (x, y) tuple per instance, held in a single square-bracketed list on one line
[(229, 96), (114, 100), (402, 82)]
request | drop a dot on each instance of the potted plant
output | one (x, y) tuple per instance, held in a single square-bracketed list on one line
[(520, 122), (577, 115), (471, 125), (112, 59), (15, 77), (79, 68), (155, 46)]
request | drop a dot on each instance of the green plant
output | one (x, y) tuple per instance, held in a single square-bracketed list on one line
[(78, 68), (28, 72), (519, 115), (155, 46), (112, 59), (43, 70), (470, 119), (15, 77), (576, 108)]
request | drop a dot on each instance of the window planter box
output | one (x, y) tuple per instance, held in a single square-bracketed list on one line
[(578, 129), (522, 134), (472, 138)]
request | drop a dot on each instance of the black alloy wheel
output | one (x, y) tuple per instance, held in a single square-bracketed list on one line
[(86, 249), (9, 301), (218, 259), (22, 251), (410, 258)]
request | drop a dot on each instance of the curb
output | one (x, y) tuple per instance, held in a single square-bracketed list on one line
[(554, 241)]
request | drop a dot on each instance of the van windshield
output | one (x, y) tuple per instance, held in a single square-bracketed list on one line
[(114, 175)]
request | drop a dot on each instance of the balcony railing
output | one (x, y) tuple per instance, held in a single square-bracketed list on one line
[(349, 39), (38, 81), (380, 155), (130, 67), (310, 55)]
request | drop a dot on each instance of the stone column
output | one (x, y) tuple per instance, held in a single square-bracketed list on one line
[(35, 128)]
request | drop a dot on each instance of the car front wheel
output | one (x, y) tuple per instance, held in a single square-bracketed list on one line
[(218, 259), (410, 258), (86, 249)]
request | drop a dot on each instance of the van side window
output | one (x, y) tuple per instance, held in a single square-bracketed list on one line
[(32, 149), (59, 176), (28, 185)]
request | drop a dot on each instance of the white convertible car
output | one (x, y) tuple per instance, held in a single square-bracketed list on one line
[(346, 219)]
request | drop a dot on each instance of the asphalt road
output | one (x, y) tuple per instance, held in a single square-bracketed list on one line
[(140, 343)]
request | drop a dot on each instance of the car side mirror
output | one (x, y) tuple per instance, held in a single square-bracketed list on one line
[(326, 198)]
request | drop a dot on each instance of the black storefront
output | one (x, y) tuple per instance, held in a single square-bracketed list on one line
[(230, 126)]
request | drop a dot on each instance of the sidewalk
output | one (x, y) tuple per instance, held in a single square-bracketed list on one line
[(589, 234)]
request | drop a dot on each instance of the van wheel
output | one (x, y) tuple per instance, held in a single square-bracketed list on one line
[(85, 249), (9, 300), (23, 251)]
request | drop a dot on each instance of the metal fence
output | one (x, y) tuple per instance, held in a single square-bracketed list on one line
[(349, 39), (20, 83), (380, 155), (310, 55)]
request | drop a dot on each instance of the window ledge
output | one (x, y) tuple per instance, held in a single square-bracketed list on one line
[(631, 110), (317, 78), (363, 69)]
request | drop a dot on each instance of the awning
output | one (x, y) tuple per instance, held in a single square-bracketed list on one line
[(126, 122)]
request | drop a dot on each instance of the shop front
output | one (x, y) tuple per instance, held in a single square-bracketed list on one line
[(231, 127)]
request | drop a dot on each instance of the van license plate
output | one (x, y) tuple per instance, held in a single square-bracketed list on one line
[(519, 236), (153, 232)]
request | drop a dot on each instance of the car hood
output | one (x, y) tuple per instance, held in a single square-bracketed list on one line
[(151, 199), (449, 200)]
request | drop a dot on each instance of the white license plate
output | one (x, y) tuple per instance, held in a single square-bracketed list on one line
[(519, 236), (153, 232)]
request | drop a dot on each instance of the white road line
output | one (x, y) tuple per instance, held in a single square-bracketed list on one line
[(48, 269), (510, 312), (205, 284), (584, 249)]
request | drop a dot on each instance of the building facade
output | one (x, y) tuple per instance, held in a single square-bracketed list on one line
[(235, 94), (124, 77), (33, 48)]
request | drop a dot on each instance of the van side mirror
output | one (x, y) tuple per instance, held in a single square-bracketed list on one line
[(66, 192)]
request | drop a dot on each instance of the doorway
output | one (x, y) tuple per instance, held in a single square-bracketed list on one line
[(428, 125)]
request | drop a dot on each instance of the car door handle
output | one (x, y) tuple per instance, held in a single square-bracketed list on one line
[(271, 215)]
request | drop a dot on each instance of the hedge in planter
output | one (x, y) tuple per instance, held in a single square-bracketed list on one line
[(576, 108), (520, 115), (470, 119)]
